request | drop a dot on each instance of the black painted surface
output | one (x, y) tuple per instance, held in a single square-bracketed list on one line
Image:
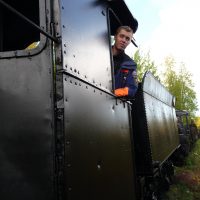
[(95, 150), (99, 159), (26, 122), (154, 125)]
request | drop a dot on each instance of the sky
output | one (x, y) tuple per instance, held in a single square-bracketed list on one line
[(170, 28)]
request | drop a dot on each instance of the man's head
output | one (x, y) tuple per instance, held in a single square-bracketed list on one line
[(123, 37)]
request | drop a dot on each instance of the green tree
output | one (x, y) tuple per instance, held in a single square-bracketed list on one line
[(180, 85), (197, 121), (144, 63)]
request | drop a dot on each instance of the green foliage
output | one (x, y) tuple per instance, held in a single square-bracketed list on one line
[(179, 192), (197, 121), (187, 178), (193, 160), (144, 63), (180, 85)]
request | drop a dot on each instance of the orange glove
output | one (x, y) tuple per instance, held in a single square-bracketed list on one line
[(120, 92)]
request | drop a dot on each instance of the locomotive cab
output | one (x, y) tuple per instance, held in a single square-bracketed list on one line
[(64, 134)]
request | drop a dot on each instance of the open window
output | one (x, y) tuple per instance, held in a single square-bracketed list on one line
[(115, 20), (118, 15), (15, 32)]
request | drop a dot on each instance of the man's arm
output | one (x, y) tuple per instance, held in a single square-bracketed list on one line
[(126, 83), (129, 88)]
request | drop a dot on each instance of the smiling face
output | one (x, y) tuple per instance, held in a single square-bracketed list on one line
[(122, 40)]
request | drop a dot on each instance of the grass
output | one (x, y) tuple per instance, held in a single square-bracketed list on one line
[(187, 178)]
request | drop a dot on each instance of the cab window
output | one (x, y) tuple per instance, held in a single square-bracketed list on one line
[(15, 32)]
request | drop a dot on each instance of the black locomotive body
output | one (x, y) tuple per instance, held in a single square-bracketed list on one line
[(64, 135), (154, 125), (155, 135)]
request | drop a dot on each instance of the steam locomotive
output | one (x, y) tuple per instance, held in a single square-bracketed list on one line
[(64, 135)]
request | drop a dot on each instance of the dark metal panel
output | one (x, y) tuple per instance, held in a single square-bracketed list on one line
[(153, 87), (161, 127), (143, 155), (161, 119), (85, 41), (154, 125), (26, 132), (99, 160)]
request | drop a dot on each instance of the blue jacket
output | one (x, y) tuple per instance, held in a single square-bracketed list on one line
[(126, 79)]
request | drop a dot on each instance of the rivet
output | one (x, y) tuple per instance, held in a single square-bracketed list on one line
[(103, 13), (98, 166)]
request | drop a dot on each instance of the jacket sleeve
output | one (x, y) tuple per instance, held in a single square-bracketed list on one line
[(129, 87)]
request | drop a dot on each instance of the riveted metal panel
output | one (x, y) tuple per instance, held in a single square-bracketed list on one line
[(161, 118), (26, 126), (26, 134), (154, 124), (99, 160), (162, 129), (85, 41), (154, 88)]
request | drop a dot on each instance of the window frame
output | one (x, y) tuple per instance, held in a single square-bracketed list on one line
[(110, 12), (110, 34), (42, 41)]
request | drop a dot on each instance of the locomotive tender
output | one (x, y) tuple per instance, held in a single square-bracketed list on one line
[(64, 135)]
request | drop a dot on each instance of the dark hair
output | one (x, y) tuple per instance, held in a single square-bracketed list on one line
[(126, 28)]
